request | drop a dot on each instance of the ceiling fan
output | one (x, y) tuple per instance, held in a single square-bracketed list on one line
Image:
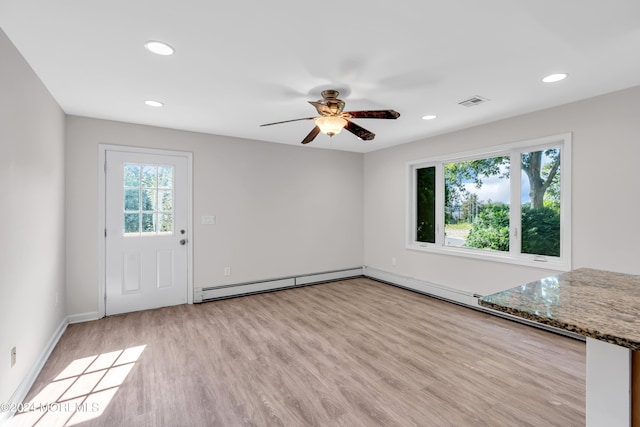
[(332, 119)]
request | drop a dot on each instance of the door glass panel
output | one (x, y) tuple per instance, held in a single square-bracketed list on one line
[(165, 177), (166, 223), (131, 175), (148, 222), (131, 223), (165, 200), (148, 200), (149, 176), (131, 199)]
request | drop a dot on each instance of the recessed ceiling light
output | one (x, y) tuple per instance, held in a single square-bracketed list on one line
[(429, 117), (151, 103), (159, 48), (554, 78)]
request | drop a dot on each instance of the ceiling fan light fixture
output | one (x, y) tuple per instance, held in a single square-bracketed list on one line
[(332, 118), (330, 125)]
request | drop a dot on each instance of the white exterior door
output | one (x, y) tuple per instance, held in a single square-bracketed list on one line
[(146, 242)]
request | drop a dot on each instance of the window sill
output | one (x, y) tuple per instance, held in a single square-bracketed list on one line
[(537, 261)]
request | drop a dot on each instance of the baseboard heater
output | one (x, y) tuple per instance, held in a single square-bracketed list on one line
[(431, 289), (237, 289)]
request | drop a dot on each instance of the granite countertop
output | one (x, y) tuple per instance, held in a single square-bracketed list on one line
[(598, 304)]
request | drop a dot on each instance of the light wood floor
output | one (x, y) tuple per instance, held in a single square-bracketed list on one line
[(350, 353)]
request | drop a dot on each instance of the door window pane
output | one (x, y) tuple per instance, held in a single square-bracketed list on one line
[(149, 176), (131, 223), (477, 197), (165, 200), (131, 199), (131, 175), (540, 196), (165, 177), (166, 222), (148, 222), (148, 200)]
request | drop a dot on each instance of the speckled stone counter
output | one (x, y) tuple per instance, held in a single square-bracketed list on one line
[(604, 307), (598, 304)]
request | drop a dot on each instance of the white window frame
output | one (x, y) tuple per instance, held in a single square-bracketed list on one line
[(514, 151)]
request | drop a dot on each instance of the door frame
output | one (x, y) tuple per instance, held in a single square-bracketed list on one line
[(102, 215)]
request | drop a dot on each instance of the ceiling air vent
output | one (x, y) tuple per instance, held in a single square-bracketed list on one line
[(474, 100)]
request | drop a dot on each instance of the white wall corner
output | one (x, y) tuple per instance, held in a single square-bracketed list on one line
[(27, 382), (83, 317)]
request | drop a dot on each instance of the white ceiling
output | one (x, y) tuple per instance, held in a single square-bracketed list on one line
[(239, 64)]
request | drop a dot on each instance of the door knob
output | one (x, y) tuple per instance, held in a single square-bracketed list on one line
[(183, 242)]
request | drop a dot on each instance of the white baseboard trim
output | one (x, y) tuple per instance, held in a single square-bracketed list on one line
[(330, 276), (83, 317), (209, 294), (237, 289), (27, 382), (455, 296)]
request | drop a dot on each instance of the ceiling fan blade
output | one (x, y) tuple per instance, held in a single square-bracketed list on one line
[(287, 121), (359, 131), (314, 132), (372, 114)]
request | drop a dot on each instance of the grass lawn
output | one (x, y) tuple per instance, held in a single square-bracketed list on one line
[(460, 230)]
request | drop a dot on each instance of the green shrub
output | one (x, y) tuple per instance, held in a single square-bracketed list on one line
[(541, 231), (490, 229)]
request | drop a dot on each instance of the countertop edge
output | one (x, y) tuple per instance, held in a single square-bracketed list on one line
[(589, 333)]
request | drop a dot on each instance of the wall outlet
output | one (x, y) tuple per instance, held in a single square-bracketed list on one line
[(13, 356), (393, 261), (208, 219), (227, 271)]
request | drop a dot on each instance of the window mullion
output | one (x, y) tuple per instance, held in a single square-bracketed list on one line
[(412, 218), (565, 201), (440, 200), (515, 210)]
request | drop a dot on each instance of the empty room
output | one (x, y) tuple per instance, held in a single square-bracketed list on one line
[(340, 214)]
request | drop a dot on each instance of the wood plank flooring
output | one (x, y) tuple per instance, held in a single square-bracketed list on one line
[(349, 353)]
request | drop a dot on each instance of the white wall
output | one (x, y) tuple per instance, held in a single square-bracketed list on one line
[(32, 248), (281, 210), (606, 150)]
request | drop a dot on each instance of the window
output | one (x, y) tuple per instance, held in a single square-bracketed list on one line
[(508, 203), (148, 200), (425, 207)]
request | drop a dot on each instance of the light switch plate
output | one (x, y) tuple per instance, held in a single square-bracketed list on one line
[(208, 219)]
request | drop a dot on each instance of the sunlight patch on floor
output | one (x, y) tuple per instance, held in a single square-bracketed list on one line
[(81, 392)]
